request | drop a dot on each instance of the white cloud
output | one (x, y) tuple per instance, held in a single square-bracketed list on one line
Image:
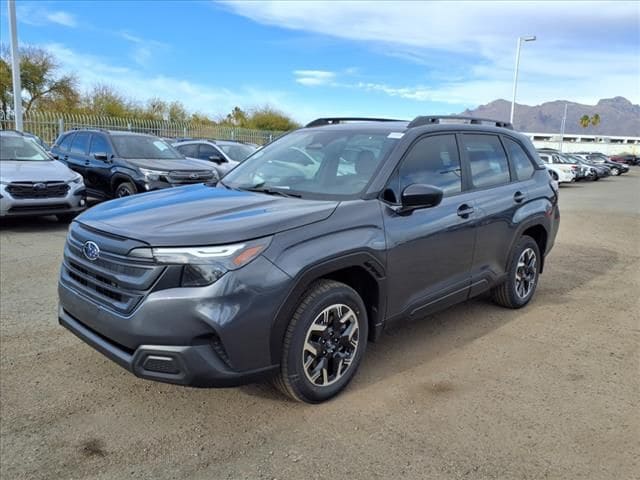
[(62, 18), (314, 77), (38, 16), (584, 51), (136, 84)]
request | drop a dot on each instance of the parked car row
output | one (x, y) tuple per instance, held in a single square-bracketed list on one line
[(581, 166), (104, 164)]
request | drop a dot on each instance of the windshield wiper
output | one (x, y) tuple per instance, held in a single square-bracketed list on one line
[(271, 191)]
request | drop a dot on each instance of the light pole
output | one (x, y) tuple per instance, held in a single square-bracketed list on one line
[(15, 65), (528, 38)]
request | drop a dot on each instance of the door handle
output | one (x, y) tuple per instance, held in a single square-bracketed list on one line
[(465, 210), (518, 197)]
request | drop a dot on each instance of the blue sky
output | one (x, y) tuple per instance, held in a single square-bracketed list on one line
[(312, 59)]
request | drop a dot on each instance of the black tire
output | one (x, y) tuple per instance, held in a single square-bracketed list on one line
[(125, 189), (554, 175), (507, 294), (294, 379), (66, 217)]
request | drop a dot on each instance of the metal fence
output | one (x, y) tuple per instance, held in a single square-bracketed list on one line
[(49, 125)]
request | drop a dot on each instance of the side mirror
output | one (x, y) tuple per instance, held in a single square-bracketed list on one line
[(102, 156), (217, 158), (419, 195)]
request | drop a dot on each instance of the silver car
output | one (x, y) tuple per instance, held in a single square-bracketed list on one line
[(33, 183), (225, 154)]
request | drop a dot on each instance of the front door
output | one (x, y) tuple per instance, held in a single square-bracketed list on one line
[(98, 176), (430, 250)]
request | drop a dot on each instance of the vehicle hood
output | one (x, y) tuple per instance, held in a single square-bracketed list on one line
[(203, 215), (164, 165), (45, 171)]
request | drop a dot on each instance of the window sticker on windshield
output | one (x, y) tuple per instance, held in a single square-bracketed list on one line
[(161, 145), (395, 135)]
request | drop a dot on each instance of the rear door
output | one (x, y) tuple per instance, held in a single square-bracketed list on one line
[(498, 194), (429, 251)]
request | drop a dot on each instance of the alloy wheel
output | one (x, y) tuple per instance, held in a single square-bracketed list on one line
[(123, 192), (330, 345), (526, 273)]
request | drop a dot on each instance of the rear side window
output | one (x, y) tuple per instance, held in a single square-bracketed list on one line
[(519, 160), (207, 151), (65, 143), (80, 143), (99, 144), (190, 150), (487, 160), (433, 161)]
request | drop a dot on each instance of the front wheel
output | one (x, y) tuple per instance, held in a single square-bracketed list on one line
[(324, 343), (522, 275), (615, 172), (125, 189)]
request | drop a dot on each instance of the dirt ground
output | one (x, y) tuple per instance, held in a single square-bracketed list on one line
[(551, 391)]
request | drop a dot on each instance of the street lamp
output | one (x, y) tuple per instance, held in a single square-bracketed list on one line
[(15, 65), (528, 38)]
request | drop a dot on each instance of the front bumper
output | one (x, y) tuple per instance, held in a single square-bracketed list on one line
[(218, 335), (192, 365), (73, 202)]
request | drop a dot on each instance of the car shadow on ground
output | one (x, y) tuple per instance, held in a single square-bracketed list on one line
[(32, 225), (412, 343)]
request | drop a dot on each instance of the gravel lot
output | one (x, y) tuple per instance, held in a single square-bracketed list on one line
[(551, 391)]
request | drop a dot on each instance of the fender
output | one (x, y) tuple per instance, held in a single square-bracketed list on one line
[(119, 174), (540, 218), (307, 276)]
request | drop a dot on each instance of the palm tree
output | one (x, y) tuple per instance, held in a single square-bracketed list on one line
[(595, 120), (585, 121)]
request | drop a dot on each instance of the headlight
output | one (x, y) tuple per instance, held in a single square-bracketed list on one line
[(153, 175), (77, 179), (205, 265)]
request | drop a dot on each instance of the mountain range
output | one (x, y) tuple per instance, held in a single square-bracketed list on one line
[(618, 116)]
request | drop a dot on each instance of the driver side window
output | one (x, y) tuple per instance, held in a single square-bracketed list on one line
[(432, 160)]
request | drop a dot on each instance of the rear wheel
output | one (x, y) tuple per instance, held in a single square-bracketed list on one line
[(324, 343), (522, 275), (125, 189)]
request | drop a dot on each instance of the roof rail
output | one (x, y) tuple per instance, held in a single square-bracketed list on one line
[(90, 128), (318, 122), (431, 119)]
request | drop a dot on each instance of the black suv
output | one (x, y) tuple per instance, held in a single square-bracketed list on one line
[(308, 249), (119, 164)]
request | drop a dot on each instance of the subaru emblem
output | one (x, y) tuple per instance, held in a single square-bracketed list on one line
[(91, 250), (193, 176), (40, 186)]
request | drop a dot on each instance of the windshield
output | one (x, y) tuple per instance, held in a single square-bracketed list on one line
[(325, 164), (23, 149), (237, 152), (134, 146)]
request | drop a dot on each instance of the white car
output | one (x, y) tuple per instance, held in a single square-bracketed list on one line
[(33, 183), (561, 173)]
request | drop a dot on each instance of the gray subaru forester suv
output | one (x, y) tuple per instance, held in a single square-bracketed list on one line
[(308, 250)]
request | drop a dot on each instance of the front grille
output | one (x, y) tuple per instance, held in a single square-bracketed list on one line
[(186, 177), (35, 208), (113, 280), (38, 189)]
